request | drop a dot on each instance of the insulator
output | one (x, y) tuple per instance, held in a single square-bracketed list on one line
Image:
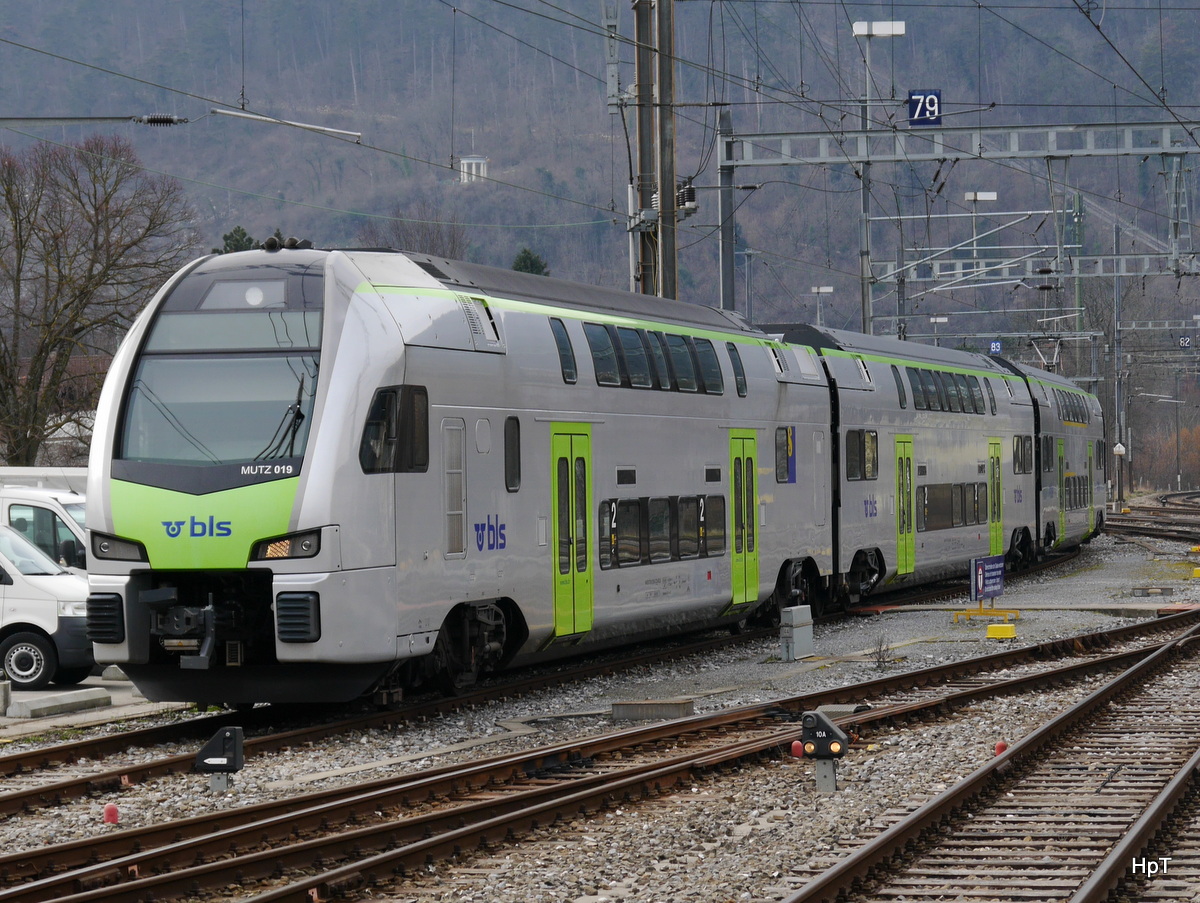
[(161, 119)]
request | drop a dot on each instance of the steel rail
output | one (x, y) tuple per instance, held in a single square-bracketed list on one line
[(858, 867), (15, 866), (408, 836)]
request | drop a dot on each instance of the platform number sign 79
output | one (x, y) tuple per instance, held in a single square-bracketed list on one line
[(925, 107)]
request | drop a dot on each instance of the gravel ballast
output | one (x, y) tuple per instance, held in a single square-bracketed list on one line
[(750, 834)]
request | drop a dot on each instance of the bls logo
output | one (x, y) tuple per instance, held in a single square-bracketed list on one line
[(490, 533), (198, 529)]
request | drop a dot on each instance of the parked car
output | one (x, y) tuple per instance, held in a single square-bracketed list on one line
[(43, 617), (52, 519)]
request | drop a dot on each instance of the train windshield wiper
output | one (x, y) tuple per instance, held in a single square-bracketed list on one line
[(283, 441)]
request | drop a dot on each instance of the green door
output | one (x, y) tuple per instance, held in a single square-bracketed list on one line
[(743, 504), (1063, 500), (906, 554), (995, 499), (1091, 487), (571, 488)]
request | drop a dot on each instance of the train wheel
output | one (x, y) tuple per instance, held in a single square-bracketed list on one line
[(471, 641)]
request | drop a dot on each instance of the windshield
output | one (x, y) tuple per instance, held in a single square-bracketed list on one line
[(23, 555), (78, 512), (219, 409)]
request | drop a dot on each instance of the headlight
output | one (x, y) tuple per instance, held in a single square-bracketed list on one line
[(72, 609), (297, 545), (112, 549)]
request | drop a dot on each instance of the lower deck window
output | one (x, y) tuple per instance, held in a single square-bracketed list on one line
[(941, 506), (651, 530)]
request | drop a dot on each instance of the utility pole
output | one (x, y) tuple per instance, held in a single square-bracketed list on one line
[(644, 92), (665, 117), (655, 218), (725, 207)]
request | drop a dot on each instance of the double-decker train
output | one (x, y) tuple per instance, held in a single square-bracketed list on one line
[(321, 474)]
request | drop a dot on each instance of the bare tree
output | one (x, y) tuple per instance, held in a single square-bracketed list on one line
[(420, 228), (86, 236)]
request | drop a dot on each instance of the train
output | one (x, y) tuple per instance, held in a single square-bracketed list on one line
[(324, 475)]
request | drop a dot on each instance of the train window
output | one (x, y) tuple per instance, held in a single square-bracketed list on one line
[(629, 531), (606, 536), (581, 534), (659, 527), (658, 351), (1018, 455), (681, 360), (604, 355), (956, 504), (945, 389), (936, 401), (712, 524), (512, 454), (563, 466), (981, 505), (987, 384), (377, 448), (939, 506), (1047, 454), (854, 455), (976, 394), (922, 506), (395, 437), (953, 399), (862, 455), (566, 354), (637, 361), (414, 430), (689, 527), (710, 367), (964, 392), (785, 454), (739, 372), (900, 396), (918, 389), (1027, 441)]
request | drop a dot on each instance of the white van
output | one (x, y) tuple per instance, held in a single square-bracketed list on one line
[(43, 617), (52, 519)]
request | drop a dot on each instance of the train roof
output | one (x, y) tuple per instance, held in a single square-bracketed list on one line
[(460, 275), (879, 346), (885, 346)]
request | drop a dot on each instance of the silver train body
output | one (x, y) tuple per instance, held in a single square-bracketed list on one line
[(317, 474)]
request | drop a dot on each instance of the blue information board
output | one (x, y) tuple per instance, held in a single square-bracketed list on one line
[(925, 107), (987, 577)]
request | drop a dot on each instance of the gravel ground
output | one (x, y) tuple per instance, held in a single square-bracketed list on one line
[(747, 835)]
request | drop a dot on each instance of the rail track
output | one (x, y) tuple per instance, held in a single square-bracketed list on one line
[(1174, 516), (77, 773), (322, 845), (1068, 813), (27, 788)]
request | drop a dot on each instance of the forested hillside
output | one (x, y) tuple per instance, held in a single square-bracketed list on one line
[(523, 84)]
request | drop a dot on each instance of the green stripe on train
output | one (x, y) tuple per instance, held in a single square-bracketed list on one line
[(192, 532)]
